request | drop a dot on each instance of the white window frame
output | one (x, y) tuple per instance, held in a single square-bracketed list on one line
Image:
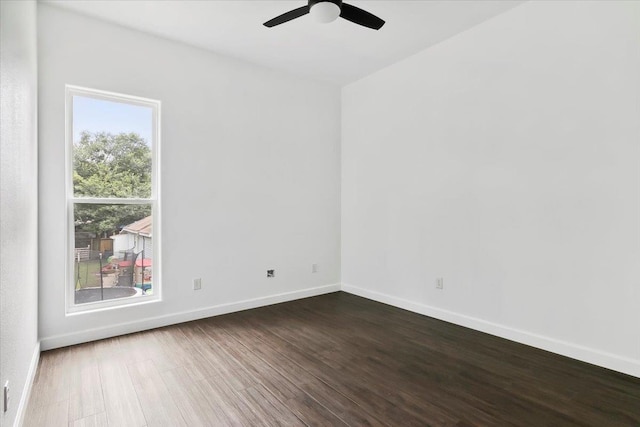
[(154, 200)]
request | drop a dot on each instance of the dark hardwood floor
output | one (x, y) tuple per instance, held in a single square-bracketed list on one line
[(330, 360)]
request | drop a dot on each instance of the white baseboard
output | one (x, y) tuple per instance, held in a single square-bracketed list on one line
[(596, 357), (28, 384), (574, 351), (64, 340)]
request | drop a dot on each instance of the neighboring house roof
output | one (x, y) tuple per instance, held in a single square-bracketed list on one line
[(142, 227)]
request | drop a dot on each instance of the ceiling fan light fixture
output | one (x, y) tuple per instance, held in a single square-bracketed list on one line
[(325, 11)]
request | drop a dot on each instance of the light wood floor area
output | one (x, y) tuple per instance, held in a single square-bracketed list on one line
[(330, 360)]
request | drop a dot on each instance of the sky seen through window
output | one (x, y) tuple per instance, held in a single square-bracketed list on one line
[(98, 115)]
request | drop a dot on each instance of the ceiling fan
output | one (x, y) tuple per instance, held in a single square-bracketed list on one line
[(327, 11)]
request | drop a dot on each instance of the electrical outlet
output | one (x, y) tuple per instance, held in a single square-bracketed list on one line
[(197, 284), (271, 273), (440, 283), (314, 268), (6, 397)]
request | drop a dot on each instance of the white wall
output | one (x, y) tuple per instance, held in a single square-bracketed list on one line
[(19, 202), (507, 161), (250, 174)]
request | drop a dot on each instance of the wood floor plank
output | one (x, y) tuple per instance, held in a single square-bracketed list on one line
[(330, 360), (184, 352), (195, 410), (312, 412), (299, 402), (302, 382), (414, 369), (51, 384), (51, 415), (267, 408), (305, 368), (262, 372), (96, 420), (155, 399), (228, 368), (223, 401), (120, 398), (85, 396)]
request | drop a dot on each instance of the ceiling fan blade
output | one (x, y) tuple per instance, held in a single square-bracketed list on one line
[(361, 17), (285, 17)]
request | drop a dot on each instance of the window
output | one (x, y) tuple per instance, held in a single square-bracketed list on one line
[(112, 199)]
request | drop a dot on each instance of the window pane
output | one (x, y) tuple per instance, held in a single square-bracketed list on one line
[(111, 148), (113, 256)]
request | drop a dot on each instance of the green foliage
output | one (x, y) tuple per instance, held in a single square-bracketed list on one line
[(107, 165), (105, 220)]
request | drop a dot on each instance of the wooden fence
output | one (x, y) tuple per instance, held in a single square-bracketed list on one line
[(82, 254)]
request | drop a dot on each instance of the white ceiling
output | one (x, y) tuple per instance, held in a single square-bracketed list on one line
[(339, 52)]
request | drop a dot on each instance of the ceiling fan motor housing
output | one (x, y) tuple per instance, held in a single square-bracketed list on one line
[(336, 2), (325, 11)]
